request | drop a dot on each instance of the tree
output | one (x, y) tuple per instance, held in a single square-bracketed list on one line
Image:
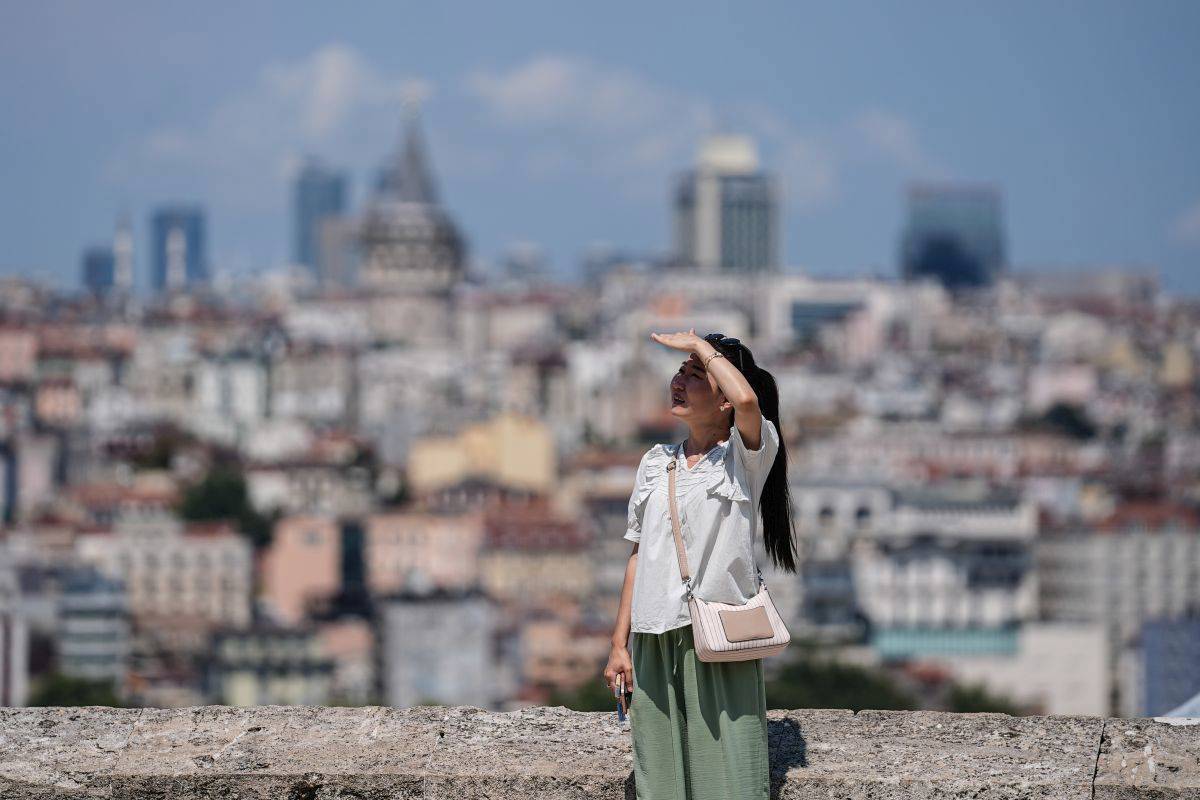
[(813, 682), (591, 696), (1070, 420), (222, 494), (56, 689), (973, 698)]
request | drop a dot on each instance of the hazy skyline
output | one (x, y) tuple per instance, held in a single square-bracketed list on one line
[(562, 126)]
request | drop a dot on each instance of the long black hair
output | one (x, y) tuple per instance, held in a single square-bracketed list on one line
[(776, 501)]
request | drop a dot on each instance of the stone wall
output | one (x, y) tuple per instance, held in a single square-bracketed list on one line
[(302, 753)]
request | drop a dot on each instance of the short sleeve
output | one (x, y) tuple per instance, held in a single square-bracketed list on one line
[(637, 502), (757, 463)]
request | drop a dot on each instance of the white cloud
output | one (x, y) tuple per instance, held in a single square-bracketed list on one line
[(892, 136), (1186, 229), (552, 117), (615, 123), (809, 172), (332, 103), (807, 161), (167, 144), (317, 98), (577, 93), (540, 89), (564, 115), (574, 115)]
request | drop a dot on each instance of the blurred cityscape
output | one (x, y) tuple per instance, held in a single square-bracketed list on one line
[(379, 477)]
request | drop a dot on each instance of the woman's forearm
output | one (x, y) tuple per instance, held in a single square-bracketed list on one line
[(620, 637), (730, 380)]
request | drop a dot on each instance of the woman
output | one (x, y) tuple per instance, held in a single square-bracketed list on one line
[(699, 729)]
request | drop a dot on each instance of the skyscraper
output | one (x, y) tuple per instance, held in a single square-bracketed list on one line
[(98, 269), (726, 210), (177, 247), (108, 267), (954, 233), (123, 255), (338, 252), (318, 194)]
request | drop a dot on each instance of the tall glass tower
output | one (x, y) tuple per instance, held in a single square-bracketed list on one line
[(954, 233), (726, 210), (98, 268), (318, 194), (177, 247)]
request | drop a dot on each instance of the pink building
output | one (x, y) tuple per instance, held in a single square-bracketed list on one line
[(441, 550), (58, 402), (18, 354), (302, 563)]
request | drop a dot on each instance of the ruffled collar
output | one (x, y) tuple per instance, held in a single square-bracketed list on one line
[(717, 469), (716, 455)]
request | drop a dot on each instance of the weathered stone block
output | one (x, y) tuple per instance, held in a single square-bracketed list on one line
[(1141, 758), (376, 753)]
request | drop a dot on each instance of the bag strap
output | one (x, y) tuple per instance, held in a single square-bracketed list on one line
[(679, 550)]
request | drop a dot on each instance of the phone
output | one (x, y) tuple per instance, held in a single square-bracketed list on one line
[(622, 703)]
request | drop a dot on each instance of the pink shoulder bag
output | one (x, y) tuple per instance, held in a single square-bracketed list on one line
[(727, 631)]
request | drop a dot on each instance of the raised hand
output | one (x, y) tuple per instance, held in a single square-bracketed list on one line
[(683, 340)]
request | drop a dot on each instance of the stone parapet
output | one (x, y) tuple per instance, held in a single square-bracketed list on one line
[(373, 753)]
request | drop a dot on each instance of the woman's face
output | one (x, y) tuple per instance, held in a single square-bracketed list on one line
[(694, 393)]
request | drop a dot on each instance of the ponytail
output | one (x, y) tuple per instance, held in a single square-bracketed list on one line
[(776, 501)]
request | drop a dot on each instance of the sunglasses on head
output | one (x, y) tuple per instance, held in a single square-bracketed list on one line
[(720, 339)]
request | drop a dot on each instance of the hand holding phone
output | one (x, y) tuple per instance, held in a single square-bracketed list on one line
[(622, 706)]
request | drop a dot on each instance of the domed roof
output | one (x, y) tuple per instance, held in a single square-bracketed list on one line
[(391, 219), (404, 229)]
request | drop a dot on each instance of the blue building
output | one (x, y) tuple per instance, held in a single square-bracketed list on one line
[(809, 316), (317, 195), (178, 253), (98, 268), (94, 627), (954, 234), (1170, 664), (438, 645)]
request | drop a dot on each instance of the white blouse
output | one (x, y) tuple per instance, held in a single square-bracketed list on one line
[(718, 510)]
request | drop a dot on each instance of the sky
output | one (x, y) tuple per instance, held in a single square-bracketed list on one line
[(563, 124)]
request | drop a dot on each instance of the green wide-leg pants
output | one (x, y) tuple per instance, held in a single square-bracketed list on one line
[(699, 729)]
